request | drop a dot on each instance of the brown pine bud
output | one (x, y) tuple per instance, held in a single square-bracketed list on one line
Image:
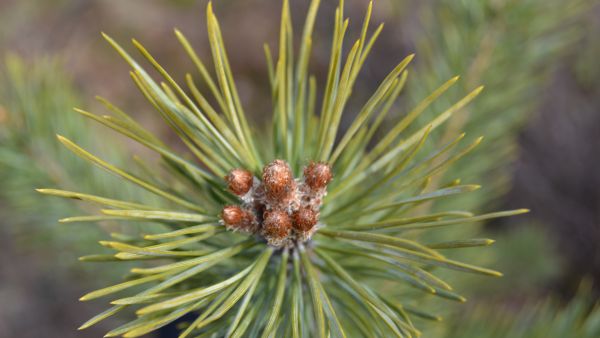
[(239, 181), (278, 180), (234, 217), (304, 219), (276, 224), (317, 175)]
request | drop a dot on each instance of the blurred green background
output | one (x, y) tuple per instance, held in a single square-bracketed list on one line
[(540, 114)]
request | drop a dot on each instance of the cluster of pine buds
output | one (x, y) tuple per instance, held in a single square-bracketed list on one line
[(279, 208)]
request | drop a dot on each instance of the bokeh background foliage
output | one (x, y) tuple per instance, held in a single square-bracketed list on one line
[(539, 113)]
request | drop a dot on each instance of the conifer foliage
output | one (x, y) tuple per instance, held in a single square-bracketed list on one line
[(310, 231)]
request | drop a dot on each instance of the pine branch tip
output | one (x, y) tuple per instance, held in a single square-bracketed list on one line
[(215, 131)]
